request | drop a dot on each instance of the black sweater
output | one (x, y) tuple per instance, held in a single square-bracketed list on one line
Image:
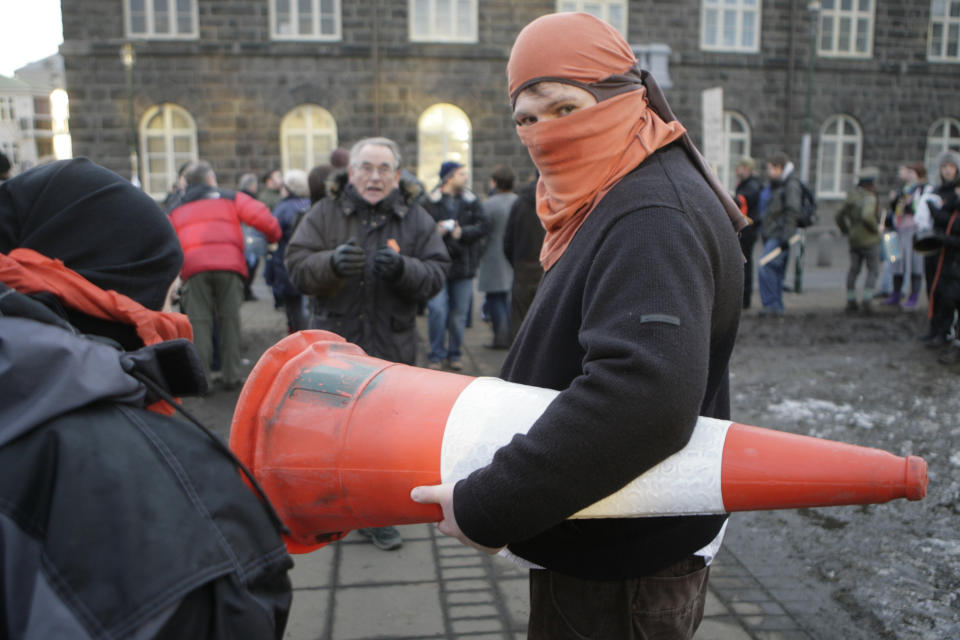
[(634, 325)]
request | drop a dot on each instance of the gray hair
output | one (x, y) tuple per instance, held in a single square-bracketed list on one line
[(383, 142), (247, 180), (197, 172), (295, 180)]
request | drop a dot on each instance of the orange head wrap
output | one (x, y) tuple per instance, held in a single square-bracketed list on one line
[(583, 155)]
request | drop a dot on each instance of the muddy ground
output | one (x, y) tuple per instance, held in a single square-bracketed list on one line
[(892, 569), (879, 571)]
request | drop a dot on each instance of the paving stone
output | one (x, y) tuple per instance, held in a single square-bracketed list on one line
[(365, 563), (361, 613), (314, 569), (466, 585), (307, 614), (456, 573), (469, 597), (482, 624), (472, 611), (713, 606)]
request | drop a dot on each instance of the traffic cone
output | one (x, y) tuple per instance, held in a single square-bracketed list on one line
[(337, 439)]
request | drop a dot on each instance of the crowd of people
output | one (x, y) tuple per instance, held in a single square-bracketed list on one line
[(907, 246)]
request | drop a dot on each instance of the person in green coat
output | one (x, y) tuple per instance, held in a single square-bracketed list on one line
[(859, 219)]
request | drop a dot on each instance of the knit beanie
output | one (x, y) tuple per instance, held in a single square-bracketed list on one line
[(447, 169)]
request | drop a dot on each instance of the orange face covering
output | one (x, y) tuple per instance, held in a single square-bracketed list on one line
[(583, 155), (30, 272)]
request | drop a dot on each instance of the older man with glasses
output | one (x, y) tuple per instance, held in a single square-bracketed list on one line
[(367, 256)]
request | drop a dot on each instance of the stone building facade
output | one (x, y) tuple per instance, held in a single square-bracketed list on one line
[(883, 85)]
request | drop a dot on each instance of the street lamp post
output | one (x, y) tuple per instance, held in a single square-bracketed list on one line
[(127, 55), (806, 143)]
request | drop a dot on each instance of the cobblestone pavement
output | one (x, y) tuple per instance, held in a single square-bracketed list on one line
[(434, 588)]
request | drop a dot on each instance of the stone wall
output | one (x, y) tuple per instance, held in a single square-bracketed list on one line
[(238, 84)]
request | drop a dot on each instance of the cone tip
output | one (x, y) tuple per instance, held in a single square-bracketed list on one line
[(916, 480)]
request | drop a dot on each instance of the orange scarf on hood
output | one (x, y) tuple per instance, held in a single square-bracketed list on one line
[(583, 155), (30, 272)]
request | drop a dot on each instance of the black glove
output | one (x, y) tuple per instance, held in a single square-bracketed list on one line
[(347, 260), (388, 264)]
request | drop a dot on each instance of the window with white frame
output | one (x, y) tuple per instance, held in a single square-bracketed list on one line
[(613, 12), (942, 136), (944, 36), (168, 139), (305, 19), (846, 28), (730, 25), (443, 133), (841, 142), (308, 135), (736, 144), (161, 19), (7, 111), (443, 20)]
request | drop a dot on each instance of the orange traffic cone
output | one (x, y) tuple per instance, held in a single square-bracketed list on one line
[(337, 440)]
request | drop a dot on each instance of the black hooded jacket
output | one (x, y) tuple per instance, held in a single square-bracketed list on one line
[(115, 521)]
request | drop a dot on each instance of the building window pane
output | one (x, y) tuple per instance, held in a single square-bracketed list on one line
[(305, 19), (443, 20), (613, 12), (942, 136), (846, 30), (730, 25), (161, 19), (444, 133), (308, 135), (168, 138), (736, 144), (841, 142)]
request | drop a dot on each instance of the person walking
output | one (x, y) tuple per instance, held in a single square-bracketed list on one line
[(777, 228), (495, 275), (860, 220), (522, 241), (463, 225), (295, 193), (633, 323), (904, 209), (367, 256), (748, 197), (207, 221)]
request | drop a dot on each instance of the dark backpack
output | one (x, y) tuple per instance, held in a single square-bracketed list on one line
[(808, 206)]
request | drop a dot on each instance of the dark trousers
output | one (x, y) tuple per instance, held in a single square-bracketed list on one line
[(667, 604)]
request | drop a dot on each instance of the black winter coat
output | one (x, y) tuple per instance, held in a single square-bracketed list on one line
[(377, 315), (467, 210), (115, 521)]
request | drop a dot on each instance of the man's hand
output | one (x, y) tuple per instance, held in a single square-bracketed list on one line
[(388, 264), (347, 260), (442, 494)]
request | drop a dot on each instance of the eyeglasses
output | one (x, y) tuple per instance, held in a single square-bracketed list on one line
[(383, 170)]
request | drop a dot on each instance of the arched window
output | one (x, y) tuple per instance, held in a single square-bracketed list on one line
[(736, 143), (308, 134), (841, 142), (168, 139), (444, 133), (611, 11), (943, 135)]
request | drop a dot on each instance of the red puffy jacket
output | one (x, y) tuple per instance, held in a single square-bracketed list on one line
[(208, 225)]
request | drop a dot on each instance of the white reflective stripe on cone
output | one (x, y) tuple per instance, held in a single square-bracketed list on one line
[(489, 412)]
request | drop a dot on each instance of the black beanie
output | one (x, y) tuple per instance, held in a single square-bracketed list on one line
[(97, 223)]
